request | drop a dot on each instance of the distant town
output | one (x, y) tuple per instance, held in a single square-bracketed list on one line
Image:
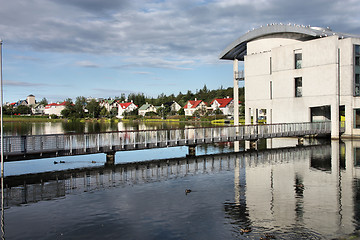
[(204, 102)]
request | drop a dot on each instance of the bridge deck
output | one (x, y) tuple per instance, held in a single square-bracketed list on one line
[(54, 145)]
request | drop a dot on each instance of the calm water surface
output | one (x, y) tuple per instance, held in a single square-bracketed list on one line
[(310, 192)]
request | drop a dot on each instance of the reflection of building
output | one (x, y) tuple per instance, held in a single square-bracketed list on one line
[(300, 74), (311, 190)]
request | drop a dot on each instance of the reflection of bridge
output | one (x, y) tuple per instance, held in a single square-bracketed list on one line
[(45, 186), (40, 146)]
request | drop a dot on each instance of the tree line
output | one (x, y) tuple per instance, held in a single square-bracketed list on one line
[(81, 108)]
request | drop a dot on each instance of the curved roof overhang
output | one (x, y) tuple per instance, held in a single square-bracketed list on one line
[(238, 48)]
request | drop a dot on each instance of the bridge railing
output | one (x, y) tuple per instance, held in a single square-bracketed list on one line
[(124, 140)]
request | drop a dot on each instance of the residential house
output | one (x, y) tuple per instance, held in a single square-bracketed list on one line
[(125, 107), (225, 105), (193, 105), (300, 74), (174, 106), (38, 109), (146, 108), (109, 104), (54, 108)]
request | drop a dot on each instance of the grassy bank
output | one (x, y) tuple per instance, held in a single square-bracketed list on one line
[(30, 119)]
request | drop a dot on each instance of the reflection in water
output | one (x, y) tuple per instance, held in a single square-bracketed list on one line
[(309, 192), (39, 128)]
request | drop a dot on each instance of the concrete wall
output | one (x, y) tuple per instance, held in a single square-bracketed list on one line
[(327, 70)]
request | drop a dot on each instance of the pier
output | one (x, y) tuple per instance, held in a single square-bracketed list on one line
[(55, 145)]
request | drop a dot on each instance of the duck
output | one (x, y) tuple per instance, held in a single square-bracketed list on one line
[(62, 161), (187, 191), (55, 162), (245, 230), (93, 161)]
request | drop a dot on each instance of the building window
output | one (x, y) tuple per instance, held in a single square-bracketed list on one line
[(298, 59), (298, 87), (357, 50), (356, 118), (271, 90), (357, 85)]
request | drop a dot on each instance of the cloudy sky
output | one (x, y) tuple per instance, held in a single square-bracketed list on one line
[(68, 48)]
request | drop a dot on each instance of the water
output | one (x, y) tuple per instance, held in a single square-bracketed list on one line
[(306, 192), (310, 192)]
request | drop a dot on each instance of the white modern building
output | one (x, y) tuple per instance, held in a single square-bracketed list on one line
[(300, 74)]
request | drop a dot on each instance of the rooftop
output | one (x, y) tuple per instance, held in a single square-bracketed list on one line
[(238, 49)]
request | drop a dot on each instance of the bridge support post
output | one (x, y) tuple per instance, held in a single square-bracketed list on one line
[(251, 145), (110, 158), (192, 151), (300, 141)]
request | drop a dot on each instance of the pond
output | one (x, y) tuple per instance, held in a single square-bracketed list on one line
[(288, 192)]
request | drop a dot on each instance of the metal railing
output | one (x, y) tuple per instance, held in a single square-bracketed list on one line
[(74, 144)]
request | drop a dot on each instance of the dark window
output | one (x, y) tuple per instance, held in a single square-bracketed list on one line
[(357, 61), (357, 50), (298, 60), (356, 118), (298, 87), (357, 85)]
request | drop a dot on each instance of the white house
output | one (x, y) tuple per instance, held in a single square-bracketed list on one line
[(109, 104), (300, 74), (125, 107), (54, 108), (38, 109), (226, 105), (146, 108), (193, 105), (174, 106)]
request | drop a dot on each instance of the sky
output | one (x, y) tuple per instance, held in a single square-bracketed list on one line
[(61, 49)]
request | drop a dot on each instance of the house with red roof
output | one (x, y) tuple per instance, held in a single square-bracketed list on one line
[(54, 108), (226, 105), (193, 105), (125, 107)]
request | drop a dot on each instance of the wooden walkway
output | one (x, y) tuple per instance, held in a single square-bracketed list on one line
[(55, 145)]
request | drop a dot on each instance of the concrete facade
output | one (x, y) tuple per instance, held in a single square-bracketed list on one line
[(299, 74)]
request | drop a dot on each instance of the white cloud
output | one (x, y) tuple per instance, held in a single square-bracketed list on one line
[(87, 64)]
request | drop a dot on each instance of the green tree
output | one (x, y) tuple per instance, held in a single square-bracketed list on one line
[(22, 110), (79, 107), (104, 112), (69, 110), (44, 102), (94, 108)]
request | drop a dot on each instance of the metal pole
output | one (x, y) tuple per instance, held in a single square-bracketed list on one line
[(2, 149), (1, 102)]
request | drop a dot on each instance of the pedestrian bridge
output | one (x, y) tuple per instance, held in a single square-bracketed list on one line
[(55, 145)]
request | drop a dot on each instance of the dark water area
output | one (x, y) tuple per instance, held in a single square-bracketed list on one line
[(288, 192)]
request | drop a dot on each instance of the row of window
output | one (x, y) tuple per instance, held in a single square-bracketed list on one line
[(356, 70)]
